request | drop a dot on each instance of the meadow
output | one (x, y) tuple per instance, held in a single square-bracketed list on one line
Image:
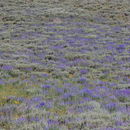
[(64, 65)]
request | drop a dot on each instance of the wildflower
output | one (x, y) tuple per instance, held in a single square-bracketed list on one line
[(7, 67), (44, 75), (28, 69), (50, 122), (82, 80), (1, 81), (111, 106), (118, 123), (86, 98), (21, 119), (36, 99), (67, 95), (60, 90), (120, 48), (34, 119), (83, 71), (111, 43), (40, 105), (124, 92), (46, 86), (21, 99), (86, 91)]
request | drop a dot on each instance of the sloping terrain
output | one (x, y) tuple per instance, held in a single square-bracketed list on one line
[(64, 65)]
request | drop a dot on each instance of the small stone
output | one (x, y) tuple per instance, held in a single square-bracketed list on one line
[(57, 20)]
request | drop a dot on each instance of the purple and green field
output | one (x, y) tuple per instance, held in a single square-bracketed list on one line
[(64, 65)]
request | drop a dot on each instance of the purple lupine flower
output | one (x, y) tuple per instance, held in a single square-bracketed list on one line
[(36, 99), (110, 128), (112, 85), (7, 67), (101, 82), (63, 60), (124, 109), (46, 86), (28, 69), (61, 66), (20, 99), (110, 43), (67, 95), (96, 94), (86, 99), (1, 53), (74, 90), (116, 28), (34, 119), (111, 106), (41, 55), (69, 103), (68, 85), (125, 92), (60, 90), (51, 122), (120, 48), (128, 39), (110, 58), (118, 123), (86, 91), (44, 75), (83, 71), (40, 105), (112, 97), (109, 47), (49, 104), (1, 81), (21, 119), (82, 80)]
